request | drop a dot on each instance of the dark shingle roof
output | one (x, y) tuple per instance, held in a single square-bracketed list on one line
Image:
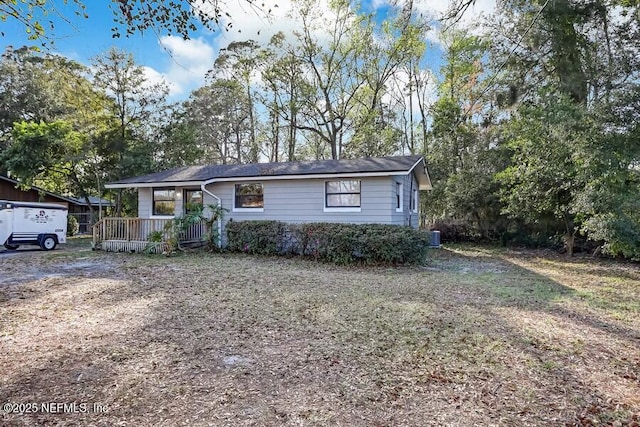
[(317, 167), (95, 201)]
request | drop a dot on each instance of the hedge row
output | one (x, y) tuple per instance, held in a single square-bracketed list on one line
[(329, 242)]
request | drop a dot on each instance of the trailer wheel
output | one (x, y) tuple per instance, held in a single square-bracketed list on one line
[(48, 243), (11, 247)]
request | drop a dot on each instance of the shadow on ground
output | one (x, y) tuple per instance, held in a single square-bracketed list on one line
[(231, 340)]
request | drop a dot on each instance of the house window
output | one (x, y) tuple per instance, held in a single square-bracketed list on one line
[(164, 201), (342, 194), (415, 200), (249, 196), (399, 194), (192, 201)]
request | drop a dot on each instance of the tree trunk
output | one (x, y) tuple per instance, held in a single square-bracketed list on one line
[(570, 236), (411, 141), (569, 242)]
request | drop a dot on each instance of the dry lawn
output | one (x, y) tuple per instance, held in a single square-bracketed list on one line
[(477, 337)]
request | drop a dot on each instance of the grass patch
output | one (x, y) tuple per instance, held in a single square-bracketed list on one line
[(78, 243), (476, 337)]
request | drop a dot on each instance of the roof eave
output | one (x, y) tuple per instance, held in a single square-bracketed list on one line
[(153, 184), (310, 176), (422, 175), (254, 178)]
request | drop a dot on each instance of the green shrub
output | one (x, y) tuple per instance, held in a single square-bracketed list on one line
[(454, 231), (155, 236), (72, 225), (342, 244), (363, 243), (213, 238), (255, 237)]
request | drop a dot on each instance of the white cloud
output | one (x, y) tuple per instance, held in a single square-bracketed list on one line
[(378, 4), (189, 61), (247, 22), (190, 50), (153, 77), (435, 10), (260, 24)]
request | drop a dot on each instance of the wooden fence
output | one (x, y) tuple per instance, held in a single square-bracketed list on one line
[(85, 221)]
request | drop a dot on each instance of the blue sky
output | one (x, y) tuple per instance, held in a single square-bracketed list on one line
[(181, 63)]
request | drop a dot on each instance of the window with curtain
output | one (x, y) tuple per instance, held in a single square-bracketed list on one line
[(342, 194)]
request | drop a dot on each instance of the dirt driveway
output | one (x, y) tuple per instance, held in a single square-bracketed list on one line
[(8, 253)]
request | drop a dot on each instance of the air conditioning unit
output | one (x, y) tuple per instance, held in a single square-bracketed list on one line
[(434, 239)]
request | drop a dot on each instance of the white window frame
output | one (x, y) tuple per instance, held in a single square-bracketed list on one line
[(337, 208), (153, 200), (257, 210), (399, 197), (416, 200)]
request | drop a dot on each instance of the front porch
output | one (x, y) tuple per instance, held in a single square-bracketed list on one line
[(143, 234)]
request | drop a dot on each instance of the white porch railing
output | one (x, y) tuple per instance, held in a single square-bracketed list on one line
[(135, 234)]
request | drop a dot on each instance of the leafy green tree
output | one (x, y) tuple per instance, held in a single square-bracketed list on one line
[(219, 115), (53, 153), (569, 80), (542, 183), (36, 16), (35, 87), (285, 87), (462, 149), (609, 203), (176, 140), (45, 89), (136, 104), (241, 61)]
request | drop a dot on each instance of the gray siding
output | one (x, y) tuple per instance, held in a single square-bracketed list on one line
[(407, 216), (302, 200), (144, 202), (297, 201), (415, 214)]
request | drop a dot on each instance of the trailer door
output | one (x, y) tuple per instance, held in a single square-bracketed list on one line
[(6, 221)]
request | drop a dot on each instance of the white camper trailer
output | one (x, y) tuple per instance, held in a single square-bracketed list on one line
[(30, 223)]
